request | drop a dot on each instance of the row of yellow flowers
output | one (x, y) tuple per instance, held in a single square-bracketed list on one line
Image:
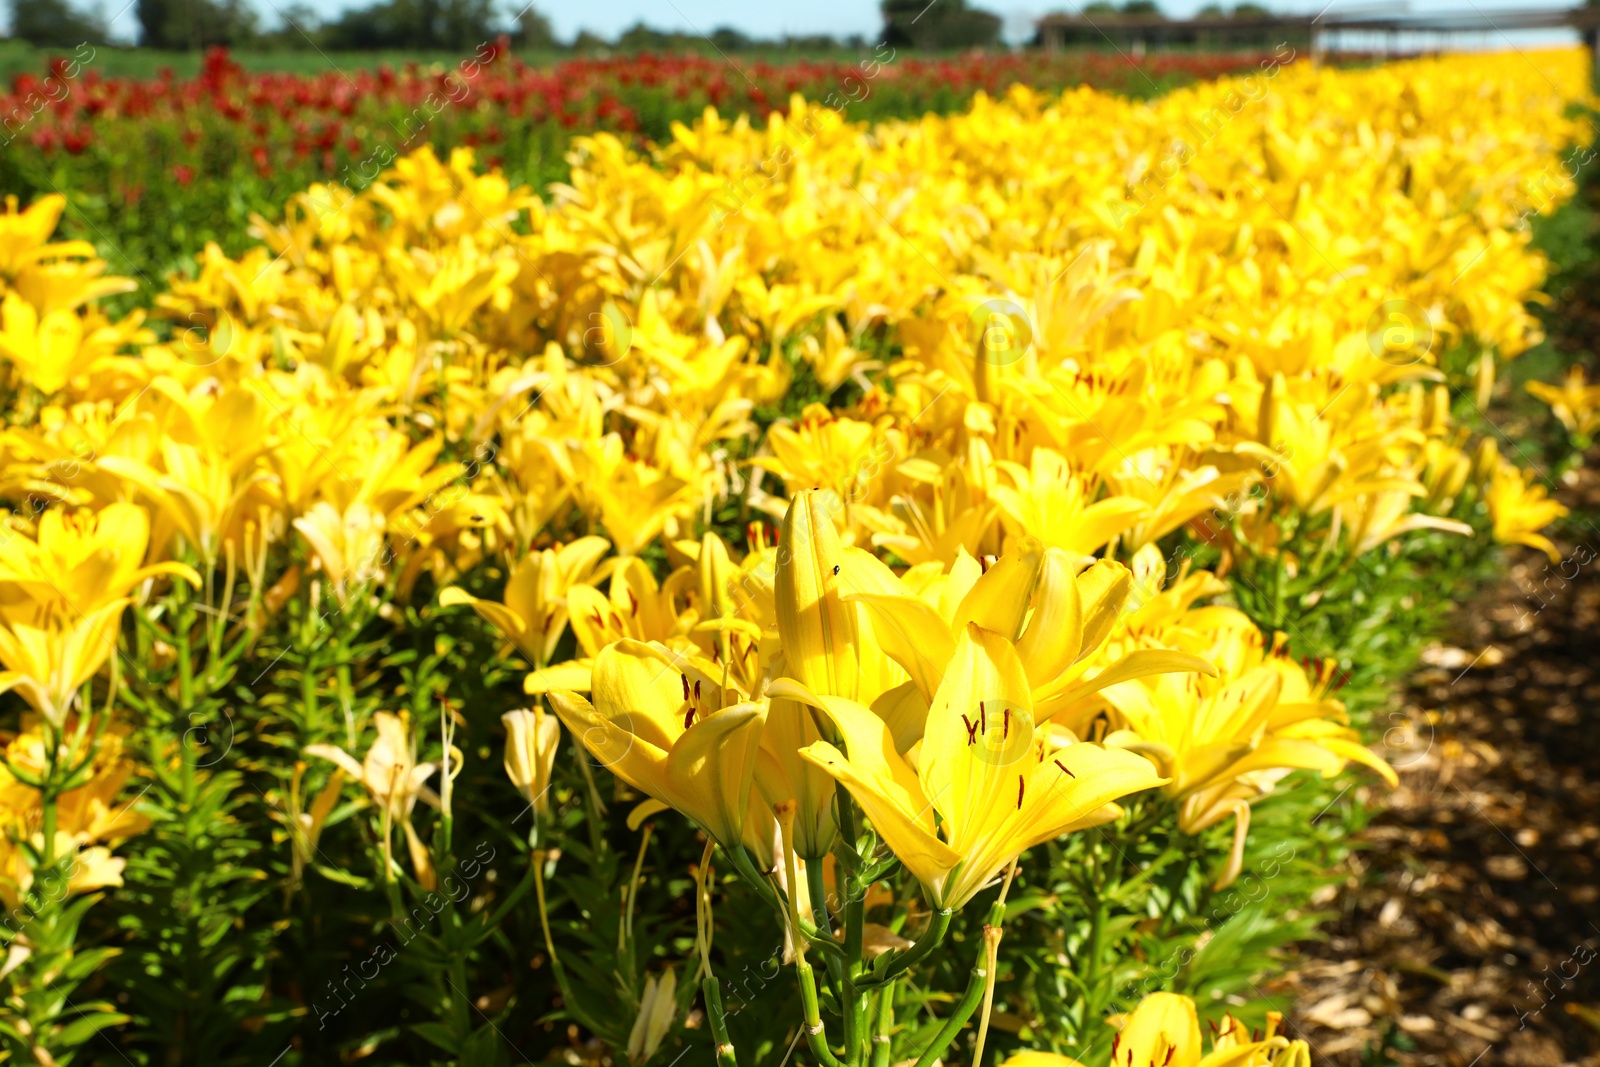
[(1057, 332)]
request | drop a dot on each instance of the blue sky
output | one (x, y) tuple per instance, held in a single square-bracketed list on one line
[(771, 18)]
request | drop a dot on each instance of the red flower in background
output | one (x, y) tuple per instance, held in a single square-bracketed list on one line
[(295, 129)]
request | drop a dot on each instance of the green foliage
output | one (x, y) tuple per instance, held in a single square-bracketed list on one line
[(45, 1013), (949, 24), (458, 25), (194, 24), (55, 24)]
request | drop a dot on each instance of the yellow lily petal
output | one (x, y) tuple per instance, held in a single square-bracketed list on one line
[(913, 634), (998, 601), (1054, 636), (889, 808), (1139, 663), (711, 767), (1164, 1029), (575, 675), (1040, 1059), (816, 627), (634, 760)]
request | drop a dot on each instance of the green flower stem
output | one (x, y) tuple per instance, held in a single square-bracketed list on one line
[(857, 1038), (346, 689), (819, 898), (571, 1003), (1154, 867), (854, 1004), (182, 624), (819, 911), (47, 858), (904, 960), (883, 1028), (816, 1035), (595, 817), (964, 1008), (460, 1006), (712, 989)]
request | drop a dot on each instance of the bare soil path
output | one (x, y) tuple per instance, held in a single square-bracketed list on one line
[(1468, 932)]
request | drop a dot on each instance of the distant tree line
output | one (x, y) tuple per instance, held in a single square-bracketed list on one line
[(431, 25), (1230, 26)]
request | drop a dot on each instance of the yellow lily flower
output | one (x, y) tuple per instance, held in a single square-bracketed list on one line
[(49, 664), (985, 787), (1174, 493), (64, 282), (1234, 1046), (531, 739), (395, 781), (198, 491), (1034, 1058), (89, 820), (1520, 508), (829, 644), (390, 771), (728, 626), (1048, 500), (534, 613), (1226, 742), (943, 511), (1164, 1031), (824, 450), (48, 351), (447, 286), (830, 647), (1318, 444), (1376, 518), (78, 562), (1060, 620), (1575, 402), (662, 722), (349, 547), (25, 234), (1445, 473), (635, 607), (634, 500)]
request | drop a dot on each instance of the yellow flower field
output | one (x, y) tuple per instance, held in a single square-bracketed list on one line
[(917, 531)]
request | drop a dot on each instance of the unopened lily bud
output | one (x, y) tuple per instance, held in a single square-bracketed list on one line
[(1438, 414), (1267, 414), (656, 1010), (715, 567), (531, 739), (817, 628), (1485, 462)]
